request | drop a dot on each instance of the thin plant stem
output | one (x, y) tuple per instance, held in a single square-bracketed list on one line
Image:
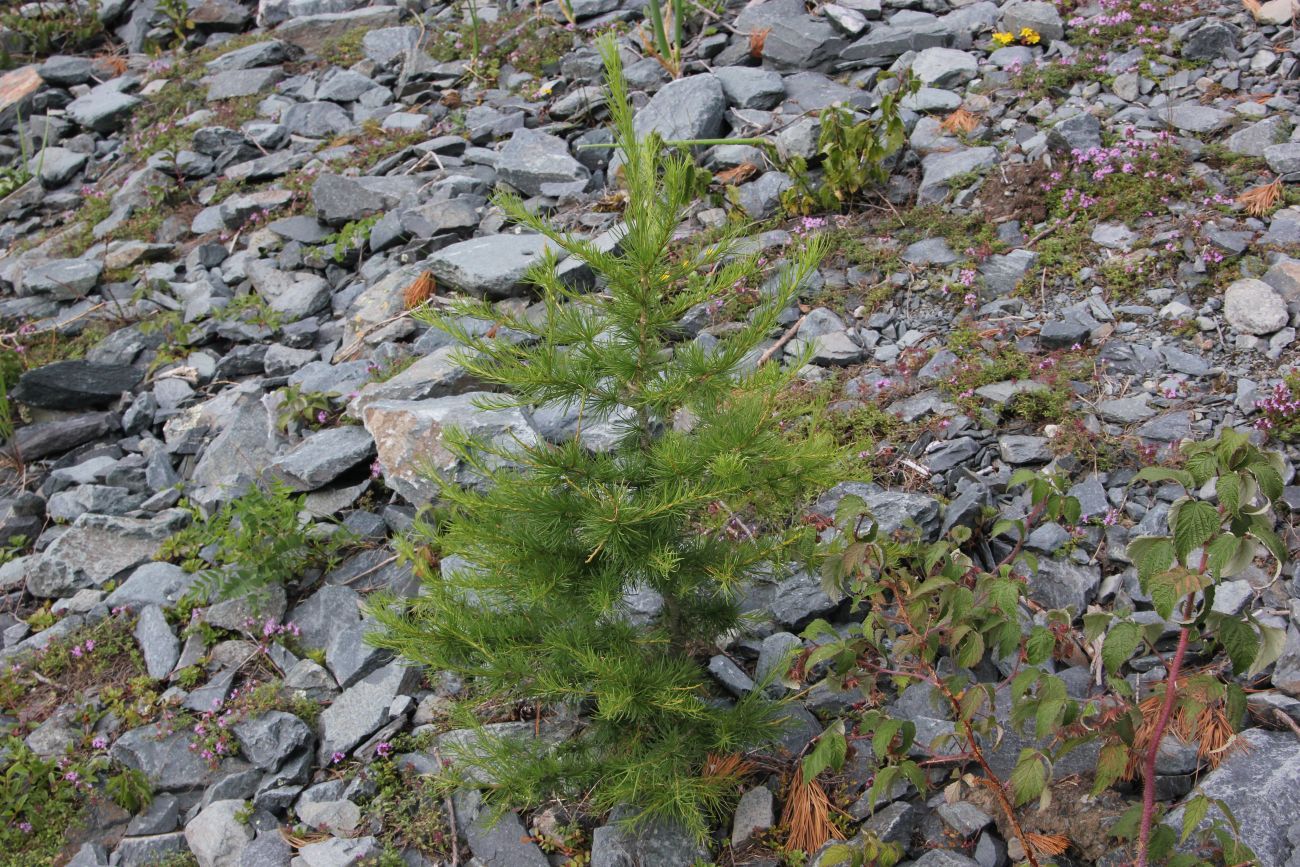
[(1153, 749)]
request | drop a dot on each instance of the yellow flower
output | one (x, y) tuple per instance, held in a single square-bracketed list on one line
[(1029, 36), (1004, 39)]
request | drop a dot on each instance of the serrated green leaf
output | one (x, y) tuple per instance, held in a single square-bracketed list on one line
[(1163, 590), (1095, 624), (1122, 639), (1151, 554), (1071, 510), (830, 751), (1272, 643), (1228, 489), (1228, 554), (1193, 523), (970, 650), (1003, 595), (1029, 777), (1194, 811), (1039, 645), (1202, 466), (1004, 526), (883, 736), (1126, 827), (1164, 474), (1019, 477), (1268, 479), (1260, 528), (1111, 764), (882, 784), (1239, 640)]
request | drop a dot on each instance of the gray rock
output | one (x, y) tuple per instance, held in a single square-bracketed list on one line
[(1255, 139), (687, 108), (62, 70), (297, 295), (385, 45), (158, 644), (1002, 273), (42, 439), (1114, 236), (1017, 450), (323, 457), (344, 85), (339, 852), (1257, 783), (102, 110), (1125, 410), (160, 817), (795, 40), (952, 454), (267, 53), (945, 67), (655, 843), (348, 655), (149, 850), (269, 849), (216, 836), (1252, 307), (774, 657), (1038, 16), (938, 169), (96, 548), (944, 858), (500, 843), (799, 599), (883, 44), (754, 814), (1064, 584), (1214, 39), (75, 384), (62, 279), (747, 87), (409, 439), (317, 119), (361, 709), (493, 266), (56, 166), (1063, 333), (236, 83), (891, 510), (271, 738), (339, 817), (533, 162), (164, 757), (931, 251), (341, 200), (1081, 132), (1193, 118)]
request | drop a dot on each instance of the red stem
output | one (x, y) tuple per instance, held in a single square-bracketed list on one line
[(1162, 722)]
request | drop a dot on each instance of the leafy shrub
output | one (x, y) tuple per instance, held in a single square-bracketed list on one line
[(49, 28), (42, 800), (854, 155), (559, 537), (933, 606), (251, 543)]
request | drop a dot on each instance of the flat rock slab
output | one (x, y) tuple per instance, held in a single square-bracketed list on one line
[(1258, 782), (493, 266), (75, 384), (323, 457), (96, 548), (16, 89), (409, 437)]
